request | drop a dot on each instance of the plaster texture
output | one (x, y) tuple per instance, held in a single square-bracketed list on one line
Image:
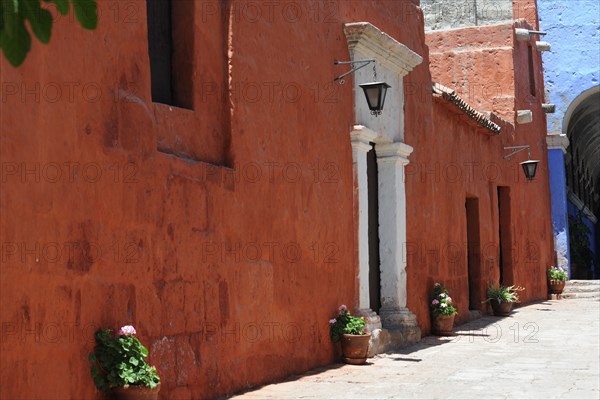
[(227, 233)]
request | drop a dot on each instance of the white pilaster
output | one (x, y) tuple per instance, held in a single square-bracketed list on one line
[(393, 61), (361, 139), (391, 159)]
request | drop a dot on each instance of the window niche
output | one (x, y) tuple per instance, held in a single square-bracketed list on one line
[(171, 51), (530, 60)]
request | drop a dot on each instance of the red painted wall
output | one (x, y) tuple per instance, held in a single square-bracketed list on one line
[(224, 234), (454, 160)]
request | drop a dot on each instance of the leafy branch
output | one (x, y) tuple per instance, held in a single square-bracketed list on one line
[(15, 39)]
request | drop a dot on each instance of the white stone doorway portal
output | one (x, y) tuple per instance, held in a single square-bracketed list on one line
[(395, 326)]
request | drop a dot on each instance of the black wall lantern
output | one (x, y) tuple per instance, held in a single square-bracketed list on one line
[(374, 91), (529, 166)]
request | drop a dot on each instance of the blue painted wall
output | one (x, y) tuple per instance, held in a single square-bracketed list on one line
[(570, 68), (560, 218)]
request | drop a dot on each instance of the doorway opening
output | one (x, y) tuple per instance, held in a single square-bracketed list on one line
[(504, 236), (373, 195), (473, 253)]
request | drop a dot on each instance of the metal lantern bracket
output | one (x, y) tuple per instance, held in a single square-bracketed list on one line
[(529, 166), (517, 149), (374, 91), (361, 64)]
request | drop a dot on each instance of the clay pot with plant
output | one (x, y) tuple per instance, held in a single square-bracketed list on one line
[(557, 278), (442, 311), (503, 298), (352, 333), (119, 365)]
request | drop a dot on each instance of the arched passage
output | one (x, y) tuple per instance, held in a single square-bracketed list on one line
[(582, 127)]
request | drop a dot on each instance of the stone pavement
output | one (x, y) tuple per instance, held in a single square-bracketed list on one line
[(546, 350)]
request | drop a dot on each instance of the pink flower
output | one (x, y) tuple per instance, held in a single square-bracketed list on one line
[(434, 302), (342, 308), (127, 330), (332, 321), (449, 299), (442, 295), (437, 284)]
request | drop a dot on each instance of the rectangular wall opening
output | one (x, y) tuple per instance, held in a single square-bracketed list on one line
[(473, 253), (531, 70), (505, 262), (171, 51), (374, 268)]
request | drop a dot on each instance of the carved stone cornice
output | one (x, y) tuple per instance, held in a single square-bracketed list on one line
[(394, 152), (557, 141), (371, 42)]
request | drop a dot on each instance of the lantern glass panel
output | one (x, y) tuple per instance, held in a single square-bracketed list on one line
[(529, 168)]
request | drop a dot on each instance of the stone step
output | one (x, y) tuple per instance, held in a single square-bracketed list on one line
[(585, 295), (581, 289), (580, 286), (582, 282)]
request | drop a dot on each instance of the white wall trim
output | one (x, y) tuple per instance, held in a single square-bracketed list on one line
[(558, 142), (367, 39), (393, 61), (394, 152), (362, 134), (360, 139)]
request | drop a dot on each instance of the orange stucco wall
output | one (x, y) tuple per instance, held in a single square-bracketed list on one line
[(111, 214), (225, 234), (454, 160)]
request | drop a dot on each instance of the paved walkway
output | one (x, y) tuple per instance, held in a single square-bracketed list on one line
[(547, 350)]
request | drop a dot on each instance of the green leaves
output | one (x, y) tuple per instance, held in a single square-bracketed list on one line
[(62, 6), (355, 326), (121, 361), (441, 304), (557, 274), (99, 380), (15, 39), (86, 13), (507, 294), (346, 324), (39, 19)]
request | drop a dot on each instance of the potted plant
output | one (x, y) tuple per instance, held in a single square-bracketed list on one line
[(352, 333), (502, 298), (119, 365), (556, 279), (442, 311)]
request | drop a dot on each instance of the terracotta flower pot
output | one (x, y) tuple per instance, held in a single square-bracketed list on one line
[(441, 325), (355, 348), (135, 392), (555, 287), (501, 308)]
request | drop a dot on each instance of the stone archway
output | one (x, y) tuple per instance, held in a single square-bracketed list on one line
[(581, 125)]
